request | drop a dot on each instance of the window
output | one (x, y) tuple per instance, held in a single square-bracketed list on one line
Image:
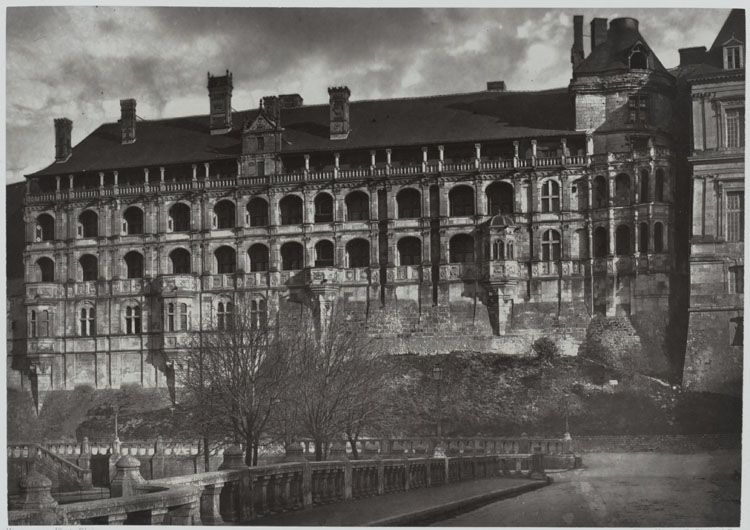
[(733, 58), (170, 317), (291, 256), (601, 242), (735, 216), (601, 192), (45, 270), (643, 238), (88, 322), (409, 206), (551, 245), (498, 250), (644, 186), (132, 320), (134, 265), (45, 228), (88, 224), (736, 332), (291, 210), (735, 121), (638, 110), (736, 279), (179, 218), (224, 216), (261, 144), (659, 186), (257, 210), (177, 317), (358, 253), (622, 190), (226, 262), (258, 254), (461, 201), (409, 251), (622, 240), (324, 254), (550, 196), (461, 249), (132, 221), (183, 317), (658, 237), (224, 315), (89, 267), (323, 208), (180, 259), (39, 324), (258, 314), (357, 206), (261, 168), (499, 198), (638, 57)]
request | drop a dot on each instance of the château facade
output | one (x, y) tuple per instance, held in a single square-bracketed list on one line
[(464, 221)]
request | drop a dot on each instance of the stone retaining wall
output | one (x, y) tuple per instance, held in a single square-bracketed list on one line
[(668, 443)]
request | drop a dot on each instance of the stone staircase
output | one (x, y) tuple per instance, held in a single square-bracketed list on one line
[(23, 458)]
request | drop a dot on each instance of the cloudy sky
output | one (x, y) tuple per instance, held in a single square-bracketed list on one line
[(78, 62)]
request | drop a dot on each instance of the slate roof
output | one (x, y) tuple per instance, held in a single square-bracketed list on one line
[(470, 117), (612, 54)]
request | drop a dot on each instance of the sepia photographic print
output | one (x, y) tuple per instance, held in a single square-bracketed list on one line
[(337, 266)]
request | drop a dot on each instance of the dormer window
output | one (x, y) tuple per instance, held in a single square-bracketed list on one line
[(638, 57), (734, 58), (638, 109)]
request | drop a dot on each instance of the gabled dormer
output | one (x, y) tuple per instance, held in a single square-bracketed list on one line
[(640, 57), (261, 141), (734, 54)]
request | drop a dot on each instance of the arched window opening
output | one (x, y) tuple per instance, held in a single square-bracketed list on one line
[(551, 245), (45, 270), (580, 244), (291, 210), (226, 260), (88, 224), (622, 240), (224, 312), (645, 195), (461, 249), (258, 254), (500, 198), (324, 254), (601, 242), (498, 250), (292, 256), (44, 323), (89, 267), (643, 238), (638, 58), (323, 208), (258, 314), (409, 251), (132, 320), (358, 253), (224, 215), (134, 264), (87, 322), (179, 218), (550, 194), (579, 195), (132, 221), (601, 193), (622, 190), (257, 210), (180, 259), (45, 228), (183, 321), (659, 186), (658, 237), (461, 201), (357, 206), (409, 206)]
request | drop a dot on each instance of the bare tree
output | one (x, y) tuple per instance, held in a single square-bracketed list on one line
[(236, 373), (337, 377)]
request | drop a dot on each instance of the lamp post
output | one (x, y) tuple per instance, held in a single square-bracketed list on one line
[(566, 435), (437, 375)]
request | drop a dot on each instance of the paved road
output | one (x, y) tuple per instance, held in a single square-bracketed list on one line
[(632, 489)]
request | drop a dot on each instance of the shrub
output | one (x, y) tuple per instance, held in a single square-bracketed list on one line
[(545, 349)]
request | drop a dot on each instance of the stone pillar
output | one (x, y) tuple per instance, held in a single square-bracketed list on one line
[(307, 500), (274, 214), (294, 453), (373, 202), (210, 505), (347, 480), (127, 478), (35, 492), (158, 460), (537, 465), (233, 458)]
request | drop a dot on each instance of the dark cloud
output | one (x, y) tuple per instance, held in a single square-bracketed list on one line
[(79, 61)]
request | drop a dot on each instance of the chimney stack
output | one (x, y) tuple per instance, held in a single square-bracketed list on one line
[(696, 55), (290, 101), (496, 86), (338, 98), (598, 32), (220, 97), (272, 106), (127, 120), (63, 148), (577, 54)]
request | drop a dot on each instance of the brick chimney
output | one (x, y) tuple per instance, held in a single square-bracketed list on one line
[(272, 106), (598, 32), (127, 120), (496, 86), (577, 54), (696, 55), (63, 148), (220, 97), (338, 98)]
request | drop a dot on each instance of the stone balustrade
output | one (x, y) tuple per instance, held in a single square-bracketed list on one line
[(431, 167)]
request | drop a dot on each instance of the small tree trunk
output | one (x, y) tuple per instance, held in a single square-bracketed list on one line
[(249, 450), (318, 450), (256, 443), (353, 443), (206, 454)]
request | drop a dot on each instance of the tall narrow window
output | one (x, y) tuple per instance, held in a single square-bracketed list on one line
[(134, 264), (323, 208), (224, 315), (183, 317), (170, 317), (258, 314), (33, 324), (658, 238), (736, 279), (88, 322), (735, 216), (733, 59), (89, 267), (45, 270), (643, 238), (550, 196), (88, 224), (735, 119), (622, 240), (638, 110), (551, 245), (132, 320), (45, 228), (132, 221), (645, 186)]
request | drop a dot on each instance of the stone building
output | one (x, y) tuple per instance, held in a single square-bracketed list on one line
[(465, 221), (716, 81)]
